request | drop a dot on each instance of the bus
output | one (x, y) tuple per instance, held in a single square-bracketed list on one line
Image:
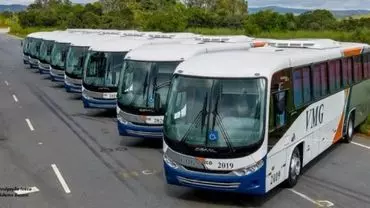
[(78, 52), (236, 122), (46, 48), (32, 48), (143, 85), (104, 64), (61, 47)]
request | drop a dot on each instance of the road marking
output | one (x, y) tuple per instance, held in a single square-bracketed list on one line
[(40, 143), (6, 82), (360, 145), (15, 98), (306, 197), (61, 179), (147, 172), (29, 124), (28, 191)]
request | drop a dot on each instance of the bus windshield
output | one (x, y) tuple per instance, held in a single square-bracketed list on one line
[(26, 46), (45, 50), (76, 60), (140, 80), (59, 54), (218, 113), (35, 47), (102, 69)]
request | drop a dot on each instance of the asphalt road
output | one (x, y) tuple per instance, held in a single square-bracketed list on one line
[(75, 157)]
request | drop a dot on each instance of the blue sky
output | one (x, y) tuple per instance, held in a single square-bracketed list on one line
[(327, 4)]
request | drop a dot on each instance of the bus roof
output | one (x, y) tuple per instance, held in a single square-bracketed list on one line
[(252, 63), (129, 43), (186, 49)]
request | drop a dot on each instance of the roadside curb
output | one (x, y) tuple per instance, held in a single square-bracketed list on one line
[(363, 135)]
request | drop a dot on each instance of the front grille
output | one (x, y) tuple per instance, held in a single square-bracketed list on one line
[(143, 133), (207, 171), (208, 184)]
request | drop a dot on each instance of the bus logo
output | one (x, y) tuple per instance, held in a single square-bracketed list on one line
[(314, 116)]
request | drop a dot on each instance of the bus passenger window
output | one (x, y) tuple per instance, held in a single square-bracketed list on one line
[(297, 84), (350, 70), (316, 82), (357, 69), (306, 85), (324, 79)]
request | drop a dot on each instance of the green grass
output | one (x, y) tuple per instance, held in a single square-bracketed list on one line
[(365, 127)]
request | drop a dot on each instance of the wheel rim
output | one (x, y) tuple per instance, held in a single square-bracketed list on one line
[(295, 166), (350, 128)]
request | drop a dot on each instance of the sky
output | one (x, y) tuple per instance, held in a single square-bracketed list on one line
[(325, 4)]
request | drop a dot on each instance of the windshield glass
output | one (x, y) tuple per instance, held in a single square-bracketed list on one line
[(215, 113), (141, 80), (26, 45), (102, 69), (59, 54), (76, 60), (35, 47), (45, 50)]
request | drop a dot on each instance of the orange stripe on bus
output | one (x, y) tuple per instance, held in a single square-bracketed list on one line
[(352, 51), (259, 44), (339, 132)]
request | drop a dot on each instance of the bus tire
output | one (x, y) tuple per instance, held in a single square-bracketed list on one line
[(295, 167), (350, 129)]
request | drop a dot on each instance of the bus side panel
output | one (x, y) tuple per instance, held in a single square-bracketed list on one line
[(275, 169), (360, 101), (315, 126)]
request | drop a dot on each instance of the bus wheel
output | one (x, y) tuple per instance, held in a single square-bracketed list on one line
[(350, 130), (294, 168)]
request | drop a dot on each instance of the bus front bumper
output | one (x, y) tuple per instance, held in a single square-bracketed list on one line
[(72, 85), (34, 63), (44, 68), (98, 103), (129, 129), (253, 183), (26, 59), (56, 75)]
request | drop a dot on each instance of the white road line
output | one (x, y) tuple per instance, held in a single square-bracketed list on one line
[(29, 124), (60, 178), (15, 98), (360, 145), (306, 197), (6, 82)]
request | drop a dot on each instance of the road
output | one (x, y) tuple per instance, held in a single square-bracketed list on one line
[(76, 158)]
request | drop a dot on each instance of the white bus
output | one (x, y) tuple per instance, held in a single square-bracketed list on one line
[(147, 72), (248, 121), (78, 51), (104, 64)]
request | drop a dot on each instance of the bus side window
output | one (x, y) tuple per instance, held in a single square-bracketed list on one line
[(357, 69), (345, 70), (350, 70)]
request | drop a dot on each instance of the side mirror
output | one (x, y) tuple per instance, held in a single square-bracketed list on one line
[(157, 102)]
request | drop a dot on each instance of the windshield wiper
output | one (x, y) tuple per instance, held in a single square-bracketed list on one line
[(222, 128), (145, 87), (202, 114)]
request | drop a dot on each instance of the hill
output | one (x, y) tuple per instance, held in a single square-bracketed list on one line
[(12, 7), (297, 11)]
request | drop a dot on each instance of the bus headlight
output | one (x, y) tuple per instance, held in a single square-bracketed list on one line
[(248, 170), (170, 162), (121, 120)]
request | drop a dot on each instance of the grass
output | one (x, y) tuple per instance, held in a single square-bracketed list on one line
[(365, 127)]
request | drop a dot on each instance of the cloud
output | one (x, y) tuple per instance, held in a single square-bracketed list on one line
[(314, 4)]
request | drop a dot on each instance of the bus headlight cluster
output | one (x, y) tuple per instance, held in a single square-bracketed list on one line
[(249, 169), (170, 162), (121, 119)]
